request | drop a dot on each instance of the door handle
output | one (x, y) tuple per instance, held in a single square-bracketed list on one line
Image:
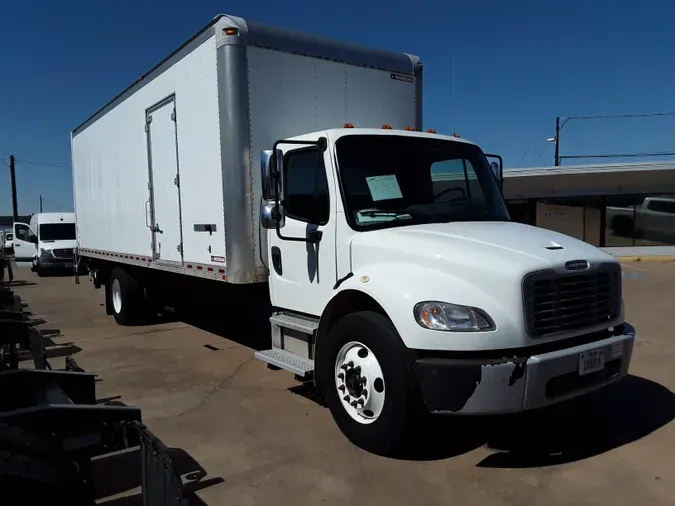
[(276, 260), (157, 229)]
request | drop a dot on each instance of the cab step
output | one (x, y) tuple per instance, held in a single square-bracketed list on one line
[(300, 366), (303, 324)]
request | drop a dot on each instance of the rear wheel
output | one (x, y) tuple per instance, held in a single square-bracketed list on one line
[(127, 300), (366, 381)]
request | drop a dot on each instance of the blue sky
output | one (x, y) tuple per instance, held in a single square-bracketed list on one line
[(518, 65)]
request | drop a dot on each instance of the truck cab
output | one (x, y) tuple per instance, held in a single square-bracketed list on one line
[(46, 243), (400, 278)]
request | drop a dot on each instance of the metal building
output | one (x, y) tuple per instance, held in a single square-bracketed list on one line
[(627, 209)]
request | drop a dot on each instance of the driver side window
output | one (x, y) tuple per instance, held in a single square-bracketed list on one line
[(454, 180), (306, 187)]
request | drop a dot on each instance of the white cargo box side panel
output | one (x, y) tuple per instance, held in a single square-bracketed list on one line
[(110, 164), (293, 94)]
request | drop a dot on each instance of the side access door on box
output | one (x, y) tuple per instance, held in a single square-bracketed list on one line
[(164, 182)]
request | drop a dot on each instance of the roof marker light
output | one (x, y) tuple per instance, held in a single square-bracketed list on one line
[(348, 125), (431, 131), (409, 129), (386, 127), (231, 31)]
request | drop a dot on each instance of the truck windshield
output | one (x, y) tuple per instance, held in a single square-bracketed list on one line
[(57, 231), (391, 181)]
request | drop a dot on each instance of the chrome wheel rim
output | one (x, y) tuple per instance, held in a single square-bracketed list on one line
[(359, 382)]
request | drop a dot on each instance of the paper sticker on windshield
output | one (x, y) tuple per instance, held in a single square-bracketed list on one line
[(384, 187)]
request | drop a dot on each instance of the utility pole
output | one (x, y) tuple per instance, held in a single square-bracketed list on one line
[(556, 159), (12, 176), (40, 203)]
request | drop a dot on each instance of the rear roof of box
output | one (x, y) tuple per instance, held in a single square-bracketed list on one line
[(274, 38)]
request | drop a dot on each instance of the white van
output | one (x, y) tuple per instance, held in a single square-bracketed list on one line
[(46, 243)]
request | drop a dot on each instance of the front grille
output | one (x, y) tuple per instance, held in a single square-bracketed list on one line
[(564, 302), (64, 253)]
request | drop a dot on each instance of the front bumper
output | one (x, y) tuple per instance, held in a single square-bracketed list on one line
[(470, 385)]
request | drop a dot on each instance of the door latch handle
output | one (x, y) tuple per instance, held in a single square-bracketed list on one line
[(157, 229)]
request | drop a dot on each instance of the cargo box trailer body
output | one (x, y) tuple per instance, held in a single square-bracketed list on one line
[(165, 175), (394, 277)]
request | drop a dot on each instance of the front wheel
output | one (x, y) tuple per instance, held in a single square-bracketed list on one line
[(366, 381)]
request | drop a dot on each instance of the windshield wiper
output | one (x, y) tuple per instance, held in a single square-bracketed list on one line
[(389, 215), (387, 212), (373, 212)]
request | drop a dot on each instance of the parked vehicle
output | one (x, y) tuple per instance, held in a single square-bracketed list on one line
[(46, 243), (654, 217), (8, 242), (398, 281)]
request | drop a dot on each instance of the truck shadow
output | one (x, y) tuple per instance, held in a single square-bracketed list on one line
[(19, 283), (245, 324), (118, 477), (575, 430)]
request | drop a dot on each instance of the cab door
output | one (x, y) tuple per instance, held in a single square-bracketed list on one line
[(25, 244), (302, 274)]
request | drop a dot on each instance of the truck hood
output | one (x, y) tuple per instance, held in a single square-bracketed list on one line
[(464, 249), (58, 244)]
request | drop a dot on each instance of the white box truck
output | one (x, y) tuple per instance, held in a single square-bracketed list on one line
[(397, 279)]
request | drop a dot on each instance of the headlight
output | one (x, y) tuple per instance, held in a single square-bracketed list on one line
[(43, 251), (452, 317)]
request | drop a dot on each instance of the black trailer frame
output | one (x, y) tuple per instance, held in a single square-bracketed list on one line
[(59, 410)]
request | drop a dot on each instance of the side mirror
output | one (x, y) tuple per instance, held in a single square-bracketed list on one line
[(271, 173), (271, 214), (497, 168), (33, 238)]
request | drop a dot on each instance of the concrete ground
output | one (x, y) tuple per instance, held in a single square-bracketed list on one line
[(246, 435)]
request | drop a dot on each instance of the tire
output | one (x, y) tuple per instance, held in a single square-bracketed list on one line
[(26, 479), (379, 424), (126, 298), (16, 439)]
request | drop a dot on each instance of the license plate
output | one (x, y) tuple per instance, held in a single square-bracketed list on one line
[(591, 361)]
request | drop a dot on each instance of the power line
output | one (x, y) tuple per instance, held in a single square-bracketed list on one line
[(523, 158), (43, 164), (622, 155), (538, 153), (621, 116), (56, 204)]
